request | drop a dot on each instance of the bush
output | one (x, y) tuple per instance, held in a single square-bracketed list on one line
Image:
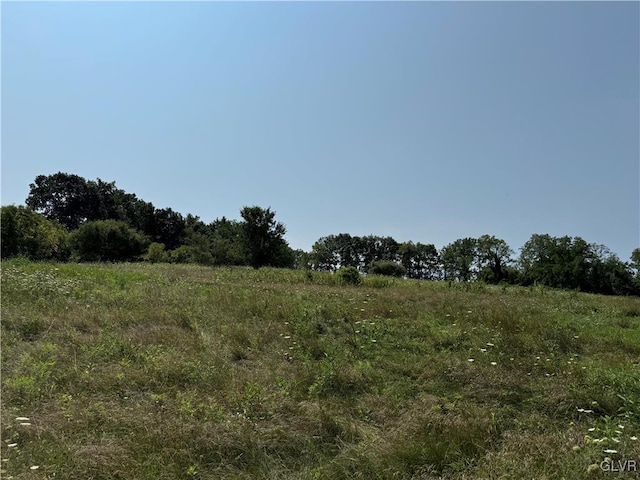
[(349, 276), (156, 253), (107, 240), (28, 234), (388, 268)]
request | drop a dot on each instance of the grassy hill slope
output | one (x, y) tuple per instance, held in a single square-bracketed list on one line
[(137, 371)]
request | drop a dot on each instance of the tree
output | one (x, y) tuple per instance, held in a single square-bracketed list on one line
[(107, 240), (264, 238), (62, 197), (458, 259), (324, 254), (572, 263), (228, 245), (493, 255), (374, 248), (420, 261), (27, 233)]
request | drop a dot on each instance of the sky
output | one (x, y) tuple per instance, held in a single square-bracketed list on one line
[(424, 121)]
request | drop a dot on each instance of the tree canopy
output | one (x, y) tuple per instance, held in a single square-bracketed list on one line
[(67, 216)]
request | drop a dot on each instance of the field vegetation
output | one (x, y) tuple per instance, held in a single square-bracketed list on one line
[(169, 371)]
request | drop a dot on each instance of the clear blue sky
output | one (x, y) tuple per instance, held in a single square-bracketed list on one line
[(425, 121)]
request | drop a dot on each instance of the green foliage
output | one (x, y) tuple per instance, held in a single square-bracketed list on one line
[(420, 261), (493, 257), (72, 201), (107, 240), (156, 253), (264, 238), (349, 276), (29, 234), (458, 259), (388, 268), (572, 263)]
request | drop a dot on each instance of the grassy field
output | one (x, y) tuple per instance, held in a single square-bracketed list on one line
[(138, 371)]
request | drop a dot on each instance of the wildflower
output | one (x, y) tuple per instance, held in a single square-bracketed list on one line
[(608, 450), (594, 467)]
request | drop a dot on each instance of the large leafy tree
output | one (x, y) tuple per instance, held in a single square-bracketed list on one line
[(264, 238), (493, 256), (324, 254), (420, 260), (458, 259), (566, 262), (63, 197)]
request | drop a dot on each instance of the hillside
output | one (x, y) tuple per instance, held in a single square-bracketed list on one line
[(138, 371)]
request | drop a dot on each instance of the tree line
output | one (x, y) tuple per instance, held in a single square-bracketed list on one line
[(69, 218)]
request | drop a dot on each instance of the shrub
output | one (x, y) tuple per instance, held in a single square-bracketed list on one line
[(349, 276), (28, 234), (156, 253), (388, 268), (107, 240)]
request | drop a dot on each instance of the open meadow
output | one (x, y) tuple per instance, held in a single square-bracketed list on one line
[(158, 371)]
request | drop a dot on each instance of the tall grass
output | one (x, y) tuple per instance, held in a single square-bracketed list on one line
[(134, 371)]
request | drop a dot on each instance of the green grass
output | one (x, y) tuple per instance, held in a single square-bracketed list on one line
[(137, 371)]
